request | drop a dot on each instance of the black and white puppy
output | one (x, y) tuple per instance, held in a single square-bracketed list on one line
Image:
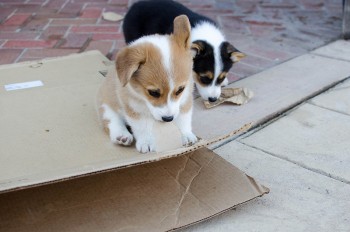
[(214, 55)]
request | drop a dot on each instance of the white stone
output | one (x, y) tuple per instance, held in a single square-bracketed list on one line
[(337, 99), (299, 199), (312, 137), (339, 49)]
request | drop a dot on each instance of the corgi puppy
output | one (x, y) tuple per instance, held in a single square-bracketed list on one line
[(215, 56), (153, 82)]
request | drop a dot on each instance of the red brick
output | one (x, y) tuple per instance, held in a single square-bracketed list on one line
[(91, 13), (279, 5), (18, 35), (9, 56), (37, 1), (112, 8), (119, 2), (272, 53), (5, 12), (258, 62), (54, 32), (76, 40), (261, 31), (8, 28), (103, 46), (231, 77), (72, 21), (16, 19), (93, 1), (262, 23), (241, 70), (55, 4), (35, 25), (28, 8), (42, 53), (72, 8), (29, 44), (234, 23), (94, 29), (109, 36), (11, 1)]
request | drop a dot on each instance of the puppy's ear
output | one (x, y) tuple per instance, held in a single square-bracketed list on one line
[(232, 52), (182, 31), (128, 61), (198, 48)]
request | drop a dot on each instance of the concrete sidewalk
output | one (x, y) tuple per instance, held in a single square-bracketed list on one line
[(303, 156)]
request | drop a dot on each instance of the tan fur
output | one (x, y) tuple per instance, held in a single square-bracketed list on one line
[(222, 75), (197, 76), (139, 67), (237, 56)]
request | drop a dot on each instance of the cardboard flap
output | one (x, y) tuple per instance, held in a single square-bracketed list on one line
[(158, 196), (50, 132)]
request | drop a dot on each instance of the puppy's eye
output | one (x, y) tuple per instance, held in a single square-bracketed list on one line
[(205, 80), (154, 93), (220, 80), (180, 90)]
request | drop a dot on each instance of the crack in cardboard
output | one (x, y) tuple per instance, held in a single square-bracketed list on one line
[(178, 182), (177, 212), (183, 168)]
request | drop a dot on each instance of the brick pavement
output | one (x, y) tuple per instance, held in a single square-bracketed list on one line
[(269, 31)]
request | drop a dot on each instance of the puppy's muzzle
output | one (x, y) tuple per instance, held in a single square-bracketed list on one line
[(167, 118)]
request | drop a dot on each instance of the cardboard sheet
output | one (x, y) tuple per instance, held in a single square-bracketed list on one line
[(158, 196), (50, 132)]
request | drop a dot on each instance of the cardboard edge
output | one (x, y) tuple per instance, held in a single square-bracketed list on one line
[(48, 59), (265, 191), (155, 157)]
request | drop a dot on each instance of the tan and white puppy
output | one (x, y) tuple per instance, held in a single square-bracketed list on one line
[(153, 83)]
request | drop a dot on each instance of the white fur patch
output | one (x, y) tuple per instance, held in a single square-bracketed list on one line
[(162, 43), (172, 108), (118, 132), (209, 33)]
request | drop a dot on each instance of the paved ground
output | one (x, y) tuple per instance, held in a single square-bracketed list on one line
[(303, 156), (269, 31)]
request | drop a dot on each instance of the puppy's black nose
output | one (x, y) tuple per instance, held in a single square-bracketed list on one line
[(212, 99), (167, 118)]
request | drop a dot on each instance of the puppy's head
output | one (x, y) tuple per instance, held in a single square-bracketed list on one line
[(158, 70), (213, 60)]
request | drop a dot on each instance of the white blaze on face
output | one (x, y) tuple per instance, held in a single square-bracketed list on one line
[(213, 36), (171, 108), (209, 91)]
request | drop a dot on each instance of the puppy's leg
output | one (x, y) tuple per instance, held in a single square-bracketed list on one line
[(115, 124), (143, 133), (184, 123)]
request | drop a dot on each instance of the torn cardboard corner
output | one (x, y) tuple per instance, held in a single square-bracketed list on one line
[(159, 196), (53, 152), (237, 96)]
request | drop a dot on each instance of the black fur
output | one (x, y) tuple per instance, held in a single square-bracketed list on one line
[(156, 17), (204, 62)]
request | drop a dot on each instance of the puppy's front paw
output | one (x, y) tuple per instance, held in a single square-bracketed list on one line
[(145, 146), (125, 138), (189, 139)]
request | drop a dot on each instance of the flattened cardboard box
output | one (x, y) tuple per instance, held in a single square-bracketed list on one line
[(49, 132)]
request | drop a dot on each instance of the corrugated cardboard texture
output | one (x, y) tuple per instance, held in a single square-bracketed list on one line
[(51, 132), (158, 196)]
